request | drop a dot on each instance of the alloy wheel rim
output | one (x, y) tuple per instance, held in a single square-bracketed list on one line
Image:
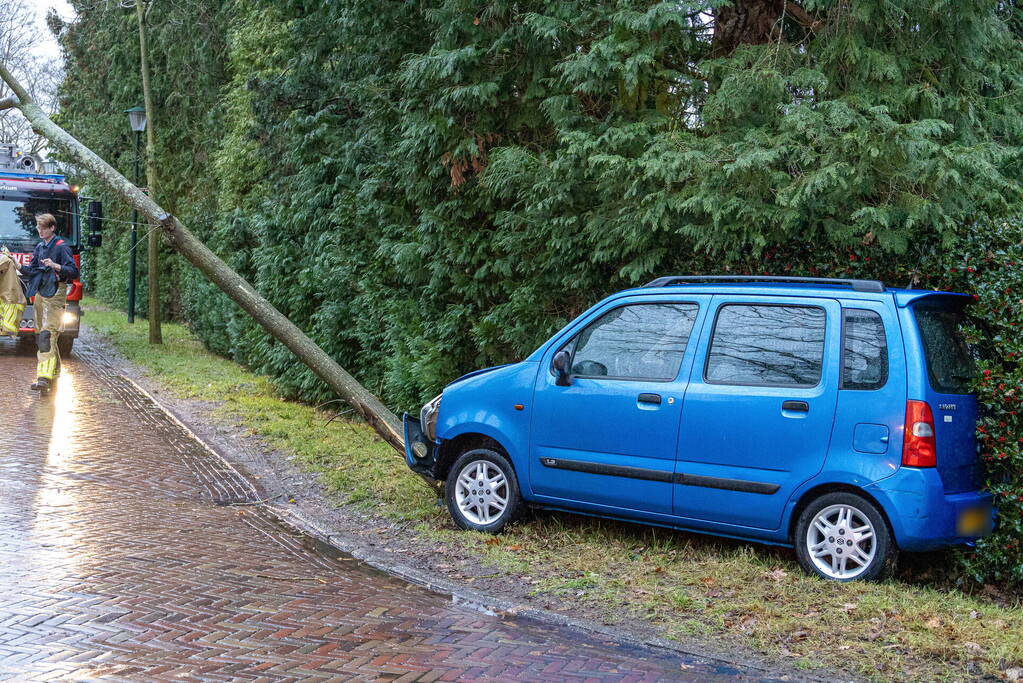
[(481, 492), (841, 541)]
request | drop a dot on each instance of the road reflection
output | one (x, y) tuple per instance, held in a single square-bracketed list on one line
[(57, 544)]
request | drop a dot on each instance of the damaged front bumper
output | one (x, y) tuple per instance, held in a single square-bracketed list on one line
[(420, 453)]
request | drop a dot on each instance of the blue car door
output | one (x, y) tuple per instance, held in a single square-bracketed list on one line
[(608, 439), (759, 408)]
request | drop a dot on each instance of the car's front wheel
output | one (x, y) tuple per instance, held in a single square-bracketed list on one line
[(843, 537), (482, 492)]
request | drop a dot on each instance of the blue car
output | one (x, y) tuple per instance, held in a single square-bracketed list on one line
[(834, 416)]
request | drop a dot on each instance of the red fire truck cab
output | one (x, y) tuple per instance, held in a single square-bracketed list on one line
[(24, 194)]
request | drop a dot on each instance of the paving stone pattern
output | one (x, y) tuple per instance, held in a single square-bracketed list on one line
[(124, 555)]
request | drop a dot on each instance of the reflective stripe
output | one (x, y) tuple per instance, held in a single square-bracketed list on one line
[(10, 318), (46, 368)]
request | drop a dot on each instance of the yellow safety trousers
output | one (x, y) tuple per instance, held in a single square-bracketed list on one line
[(49, 311), (46, 369), (10, 318)]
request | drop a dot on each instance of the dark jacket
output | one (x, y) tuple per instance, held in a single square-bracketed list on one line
[(43, 279)]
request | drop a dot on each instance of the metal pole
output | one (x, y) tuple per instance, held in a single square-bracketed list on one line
[(134, 240)]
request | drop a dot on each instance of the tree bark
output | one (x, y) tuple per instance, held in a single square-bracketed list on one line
[(754, 22), (153, 248), (744, 22), (241, 292)]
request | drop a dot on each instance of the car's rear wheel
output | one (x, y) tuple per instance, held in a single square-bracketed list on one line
[(482, 492), (843, 537)]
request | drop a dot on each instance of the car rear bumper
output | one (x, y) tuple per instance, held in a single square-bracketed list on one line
[(924, 517)]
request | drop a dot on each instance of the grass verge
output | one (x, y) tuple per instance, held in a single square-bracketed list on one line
[(744, 596)]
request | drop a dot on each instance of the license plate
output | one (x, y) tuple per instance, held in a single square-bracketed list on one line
[(974, 521)]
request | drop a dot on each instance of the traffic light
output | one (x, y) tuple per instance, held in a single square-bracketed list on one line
[(95, 223)]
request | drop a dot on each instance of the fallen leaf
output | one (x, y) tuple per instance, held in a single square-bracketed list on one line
[(1014, 674), (798, 636), (933, 622), (974, 614), (849, 606), (493, 541), (776, 575), (972, 647)]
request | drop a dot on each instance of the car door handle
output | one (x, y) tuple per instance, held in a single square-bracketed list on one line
[(650, 398), (796, 406)]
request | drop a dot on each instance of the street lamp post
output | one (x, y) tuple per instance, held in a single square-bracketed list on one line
[(137, 121)]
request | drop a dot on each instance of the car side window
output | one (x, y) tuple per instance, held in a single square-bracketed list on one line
[(767, 345), (864, 350), (641, 341)]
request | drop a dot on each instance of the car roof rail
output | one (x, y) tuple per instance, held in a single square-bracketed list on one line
[(856, 285)]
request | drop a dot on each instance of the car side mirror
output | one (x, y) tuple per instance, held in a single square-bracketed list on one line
[(95, 211), (561, 361)]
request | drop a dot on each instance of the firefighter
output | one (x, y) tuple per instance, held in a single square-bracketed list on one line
[(46, 277)]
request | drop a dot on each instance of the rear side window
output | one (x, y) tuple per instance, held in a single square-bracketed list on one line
[(644, 341), (758, 345), (950, 365), (864, 350)]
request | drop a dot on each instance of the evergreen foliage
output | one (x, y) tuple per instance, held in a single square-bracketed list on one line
[(431, 187)]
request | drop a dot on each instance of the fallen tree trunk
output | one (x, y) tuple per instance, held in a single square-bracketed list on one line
[(241, 292)]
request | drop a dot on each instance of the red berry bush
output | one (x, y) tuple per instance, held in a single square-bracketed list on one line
[(990, 266)]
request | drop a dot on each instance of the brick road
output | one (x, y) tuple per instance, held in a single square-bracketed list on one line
[(124, 557)]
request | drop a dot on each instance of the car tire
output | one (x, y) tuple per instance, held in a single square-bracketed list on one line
[(838, 527), (482, 492)]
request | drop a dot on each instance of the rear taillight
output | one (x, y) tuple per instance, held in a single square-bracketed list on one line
[(918, 446)]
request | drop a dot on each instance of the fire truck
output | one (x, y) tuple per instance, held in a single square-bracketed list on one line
[(25, 192)]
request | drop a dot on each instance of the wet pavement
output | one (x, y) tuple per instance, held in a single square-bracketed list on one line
[(128, 551)]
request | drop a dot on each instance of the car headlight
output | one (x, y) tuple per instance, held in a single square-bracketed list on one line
[(69, 317), (428, 418)]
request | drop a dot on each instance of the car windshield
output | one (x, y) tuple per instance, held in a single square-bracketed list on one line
[(18, 220), (950, 359)]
